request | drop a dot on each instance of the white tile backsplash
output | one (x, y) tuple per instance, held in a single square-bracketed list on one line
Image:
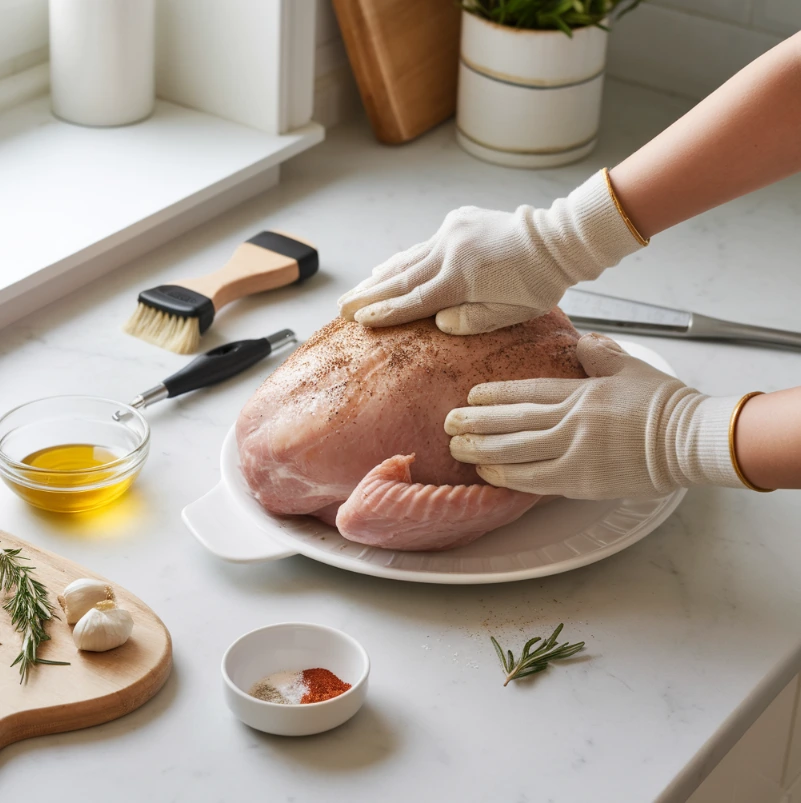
[(729, 10), (686, 47), (329, 57), (690, 47), (682, 53), (777, 16), (327, 28), (336, 97)]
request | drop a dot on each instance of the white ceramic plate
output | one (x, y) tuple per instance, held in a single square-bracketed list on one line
[(557, 537)]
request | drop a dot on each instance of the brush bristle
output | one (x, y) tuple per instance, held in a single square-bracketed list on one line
[(171, 332)]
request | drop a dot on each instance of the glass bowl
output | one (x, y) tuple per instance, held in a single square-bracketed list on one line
[(69, 454)]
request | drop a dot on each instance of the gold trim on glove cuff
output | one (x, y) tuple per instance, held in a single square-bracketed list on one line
[(738, 408), (632, 228)]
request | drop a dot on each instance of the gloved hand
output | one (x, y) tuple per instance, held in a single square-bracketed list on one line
[(629, 430), (484, 270)]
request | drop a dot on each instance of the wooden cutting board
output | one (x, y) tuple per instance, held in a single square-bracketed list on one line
[(405, 56), (96, 687)]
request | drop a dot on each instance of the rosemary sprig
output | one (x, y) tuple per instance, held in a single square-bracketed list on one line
[(29, 608), (532, 662)]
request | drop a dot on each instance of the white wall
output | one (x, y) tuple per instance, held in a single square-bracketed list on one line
[(23, 44), (23, 35), (336, 97), (330, 50), (686, 47), (690, 47)]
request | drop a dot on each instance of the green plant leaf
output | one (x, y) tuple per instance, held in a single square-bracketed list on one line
[(563, 15)]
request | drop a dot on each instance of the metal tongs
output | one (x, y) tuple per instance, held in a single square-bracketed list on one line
[(611, 314)]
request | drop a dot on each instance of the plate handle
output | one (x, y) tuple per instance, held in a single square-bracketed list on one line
[(218, 524)]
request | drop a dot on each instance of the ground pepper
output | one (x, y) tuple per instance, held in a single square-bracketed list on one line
[(301, 687), (323, 685)]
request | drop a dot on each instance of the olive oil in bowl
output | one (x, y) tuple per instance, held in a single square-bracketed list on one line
[(68, 454), (73, 477)]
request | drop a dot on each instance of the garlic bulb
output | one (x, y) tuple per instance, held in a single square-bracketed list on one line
[(81, 596), (103, 628)]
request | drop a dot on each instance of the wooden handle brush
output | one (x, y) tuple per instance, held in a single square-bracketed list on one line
[(174, 316)]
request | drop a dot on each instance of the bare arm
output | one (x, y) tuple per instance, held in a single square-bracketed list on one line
[(744, 136), (768, 439)]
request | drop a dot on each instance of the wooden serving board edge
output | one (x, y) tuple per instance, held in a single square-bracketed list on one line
[(84, 714), (44, 722)]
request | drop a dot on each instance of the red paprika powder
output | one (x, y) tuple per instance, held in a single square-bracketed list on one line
[(322, 685)]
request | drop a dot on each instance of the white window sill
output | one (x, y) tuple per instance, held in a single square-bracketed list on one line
[(78, 202)]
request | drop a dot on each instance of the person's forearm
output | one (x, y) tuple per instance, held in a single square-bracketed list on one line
[(768, 440), (744, 136)]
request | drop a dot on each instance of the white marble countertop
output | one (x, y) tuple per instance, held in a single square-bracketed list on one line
[(690, 633)]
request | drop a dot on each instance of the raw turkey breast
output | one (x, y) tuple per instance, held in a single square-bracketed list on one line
[(350, 428)]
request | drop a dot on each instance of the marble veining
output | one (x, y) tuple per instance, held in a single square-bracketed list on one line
[(690, 633)]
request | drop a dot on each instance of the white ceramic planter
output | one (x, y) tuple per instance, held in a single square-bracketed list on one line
[(529, 98), (102, 60)]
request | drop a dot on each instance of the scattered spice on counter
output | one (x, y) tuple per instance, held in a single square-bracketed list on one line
[(299, 688)]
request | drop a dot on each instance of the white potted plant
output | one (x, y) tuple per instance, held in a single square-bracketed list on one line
[(531, 78)]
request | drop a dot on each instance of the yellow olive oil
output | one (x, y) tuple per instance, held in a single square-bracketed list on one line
[(70, 478)]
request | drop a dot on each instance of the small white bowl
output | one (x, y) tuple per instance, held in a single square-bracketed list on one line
[(292, 646)]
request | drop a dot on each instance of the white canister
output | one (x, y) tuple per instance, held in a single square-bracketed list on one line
[(529, 98), (102, 60)]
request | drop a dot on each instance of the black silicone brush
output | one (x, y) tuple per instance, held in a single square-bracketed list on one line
[(174, 316), (214, 366)]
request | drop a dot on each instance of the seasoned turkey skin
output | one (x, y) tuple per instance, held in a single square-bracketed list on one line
[(352, 397)]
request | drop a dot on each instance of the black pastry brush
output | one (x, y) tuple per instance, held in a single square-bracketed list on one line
[(174, 316)]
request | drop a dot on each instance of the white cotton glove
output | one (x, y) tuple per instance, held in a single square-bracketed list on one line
[(629, 430), (484, 270)]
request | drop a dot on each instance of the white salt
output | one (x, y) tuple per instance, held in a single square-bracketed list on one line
[(290, 685)]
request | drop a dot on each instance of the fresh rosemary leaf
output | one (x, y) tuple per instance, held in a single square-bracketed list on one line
[(528, 672), (532, 662), (28, 607), (530, 643), (499, 651)]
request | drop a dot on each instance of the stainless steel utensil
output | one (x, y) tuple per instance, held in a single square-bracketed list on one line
[(612, 314)]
